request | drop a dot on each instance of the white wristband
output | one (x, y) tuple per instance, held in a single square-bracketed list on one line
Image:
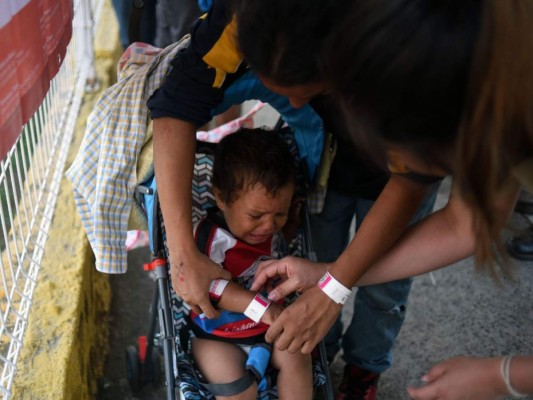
[(335, 290), (217, 287), (505, 370), (257, 307)]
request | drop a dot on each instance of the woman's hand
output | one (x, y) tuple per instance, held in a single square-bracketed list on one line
[(191, 276), (296, 273), (304, 323), (462, 378), (191, 272)]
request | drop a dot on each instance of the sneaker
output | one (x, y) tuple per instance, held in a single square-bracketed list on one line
[(521, 245), (524, 205), (357, 384)]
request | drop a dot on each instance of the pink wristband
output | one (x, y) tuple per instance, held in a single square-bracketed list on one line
[(257, 307), (335, 290), (217, 287)]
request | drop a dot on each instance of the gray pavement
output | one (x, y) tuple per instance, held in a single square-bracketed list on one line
[(458, 311), (453, 311)]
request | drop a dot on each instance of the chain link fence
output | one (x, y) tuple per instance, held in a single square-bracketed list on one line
[(30, 176)]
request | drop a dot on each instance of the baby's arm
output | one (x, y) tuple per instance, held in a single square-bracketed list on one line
[(237, 299)]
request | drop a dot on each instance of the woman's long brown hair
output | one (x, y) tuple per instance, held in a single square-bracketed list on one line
[(447, 79), (497, 129)]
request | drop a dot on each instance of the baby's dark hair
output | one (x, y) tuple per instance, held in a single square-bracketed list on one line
[(248, 157)]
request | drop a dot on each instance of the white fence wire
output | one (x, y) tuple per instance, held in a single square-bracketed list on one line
[(30, 177)]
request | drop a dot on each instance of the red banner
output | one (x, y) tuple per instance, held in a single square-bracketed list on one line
[(34, 35)]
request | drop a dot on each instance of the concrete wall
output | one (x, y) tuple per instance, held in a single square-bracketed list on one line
[(66, 340)]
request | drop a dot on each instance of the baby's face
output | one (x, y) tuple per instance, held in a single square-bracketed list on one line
[(256, 215)]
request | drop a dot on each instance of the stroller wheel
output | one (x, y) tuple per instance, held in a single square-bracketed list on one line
[(155, 368), (133, 368)]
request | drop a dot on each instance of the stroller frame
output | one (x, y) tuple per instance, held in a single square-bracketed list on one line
[(160, 313)]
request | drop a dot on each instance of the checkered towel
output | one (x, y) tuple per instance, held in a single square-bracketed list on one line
[(104, 173)]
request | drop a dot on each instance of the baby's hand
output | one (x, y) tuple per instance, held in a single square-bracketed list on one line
[(272, 313)]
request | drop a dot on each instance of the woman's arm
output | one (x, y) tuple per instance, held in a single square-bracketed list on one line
[(309, 318), (191, 271), (384, 223), (439, 240)]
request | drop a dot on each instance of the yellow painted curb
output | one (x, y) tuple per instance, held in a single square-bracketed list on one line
[(66, 340)]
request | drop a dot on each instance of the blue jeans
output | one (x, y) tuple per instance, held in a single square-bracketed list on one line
[(379, 310), (148, 21), (174, 20)]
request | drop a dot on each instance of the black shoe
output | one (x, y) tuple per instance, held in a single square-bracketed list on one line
[(524, 204), (521, 246), (524, 207), (357, 384)]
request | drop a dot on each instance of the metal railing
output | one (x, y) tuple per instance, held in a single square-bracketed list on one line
[(30, 177)]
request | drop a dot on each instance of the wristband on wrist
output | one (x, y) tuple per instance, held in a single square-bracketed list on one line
[(216, 288), (335, 290), (257, 307), (505, 370)]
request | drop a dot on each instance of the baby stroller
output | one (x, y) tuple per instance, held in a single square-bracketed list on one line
[(168, 333)]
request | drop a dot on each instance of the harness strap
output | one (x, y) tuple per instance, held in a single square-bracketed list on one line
[(256, 365), (232, 388), (204, 236), (204, 233)]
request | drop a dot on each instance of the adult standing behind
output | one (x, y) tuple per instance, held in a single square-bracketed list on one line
[(134, 23), (174, 20), (449, 87), (208, 74)]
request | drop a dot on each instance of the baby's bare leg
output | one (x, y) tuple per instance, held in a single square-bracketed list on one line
[(221, 362), (295, 378)]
